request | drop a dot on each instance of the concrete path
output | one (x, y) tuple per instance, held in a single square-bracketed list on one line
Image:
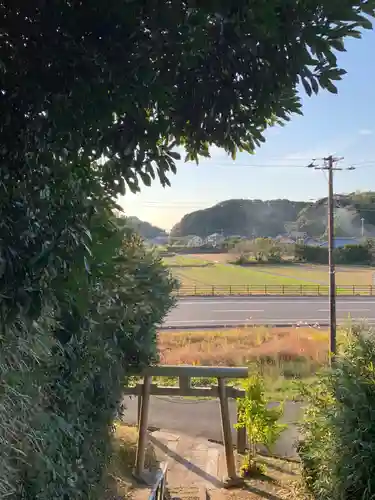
[(192, 462), (201, 419)]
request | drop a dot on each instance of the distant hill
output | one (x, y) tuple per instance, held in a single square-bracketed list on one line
[(145, 229), (240, 217), (350, 209), (271, 218)]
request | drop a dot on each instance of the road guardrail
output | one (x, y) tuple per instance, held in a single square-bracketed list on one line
[(291, 290)]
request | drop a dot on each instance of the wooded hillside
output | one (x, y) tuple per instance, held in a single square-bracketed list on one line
[(273, 217), (145, 229)]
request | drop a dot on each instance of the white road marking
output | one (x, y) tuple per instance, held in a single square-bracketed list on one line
[(350, 311), (237, 310)]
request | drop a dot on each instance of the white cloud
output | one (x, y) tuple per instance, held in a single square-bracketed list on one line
[(366, 131), (216, 152)]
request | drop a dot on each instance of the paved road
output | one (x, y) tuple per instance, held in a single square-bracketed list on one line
[(201, 418), (206, 312)]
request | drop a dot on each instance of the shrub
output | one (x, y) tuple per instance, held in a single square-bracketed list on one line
[(260, 421), (307, 253), (338, 446), (353, 254), (275, 254), (241, 260), (261, 249), (105, 331), (99, 329), (349, 254)]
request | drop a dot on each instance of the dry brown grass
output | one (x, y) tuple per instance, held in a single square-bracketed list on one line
[(283, 356), (213, 257), (119, 482), (282, 481), (235, 347)]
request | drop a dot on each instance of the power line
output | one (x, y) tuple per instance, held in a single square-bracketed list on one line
[(254, 165), (365, 164)]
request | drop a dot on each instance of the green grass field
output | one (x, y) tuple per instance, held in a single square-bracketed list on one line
[(186, 261), (212, 270)]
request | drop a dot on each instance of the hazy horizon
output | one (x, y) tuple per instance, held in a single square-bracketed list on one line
[(342, 211)]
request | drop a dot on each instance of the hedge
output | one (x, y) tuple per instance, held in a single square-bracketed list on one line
[(69, 369)]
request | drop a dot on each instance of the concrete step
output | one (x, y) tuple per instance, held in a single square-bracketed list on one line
[(187, 493)]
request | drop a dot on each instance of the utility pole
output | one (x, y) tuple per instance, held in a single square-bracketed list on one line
[(331, 262), (363, 227), (329, 165)]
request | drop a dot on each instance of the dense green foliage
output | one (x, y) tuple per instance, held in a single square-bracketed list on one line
[(267, 250), (270, 218), (348, 254), (145, 229), (94, 98), (103, 330), (261, 250), (338, 450)]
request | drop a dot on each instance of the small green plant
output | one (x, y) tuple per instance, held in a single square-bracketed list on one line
[(259, 420), (242, 260)]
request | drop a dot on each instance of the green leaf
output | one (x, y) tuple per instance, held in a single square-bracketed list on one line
[(173, 167), (365, 22), (306, 86), (331, 58), (174, 155), (330, 87), (338, 44), (150, 170), (336, 74), (355, 34), (146, 179), (122, 188), (314, 85), (368, 8)]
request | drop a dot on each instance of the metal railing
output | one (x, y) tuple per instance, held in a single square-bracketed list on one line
[(158, 491), (291, 290)]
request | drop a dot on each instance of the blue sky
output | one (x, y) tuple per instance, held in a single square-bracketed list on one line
[(342, 124)]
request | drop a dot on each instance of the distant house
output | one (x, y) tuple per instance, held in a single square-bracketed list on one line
[(297, 235), (281, 238), (159, 240), (195, 241), (312, 242), (235, 237), (341, 242), (214, 240)]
